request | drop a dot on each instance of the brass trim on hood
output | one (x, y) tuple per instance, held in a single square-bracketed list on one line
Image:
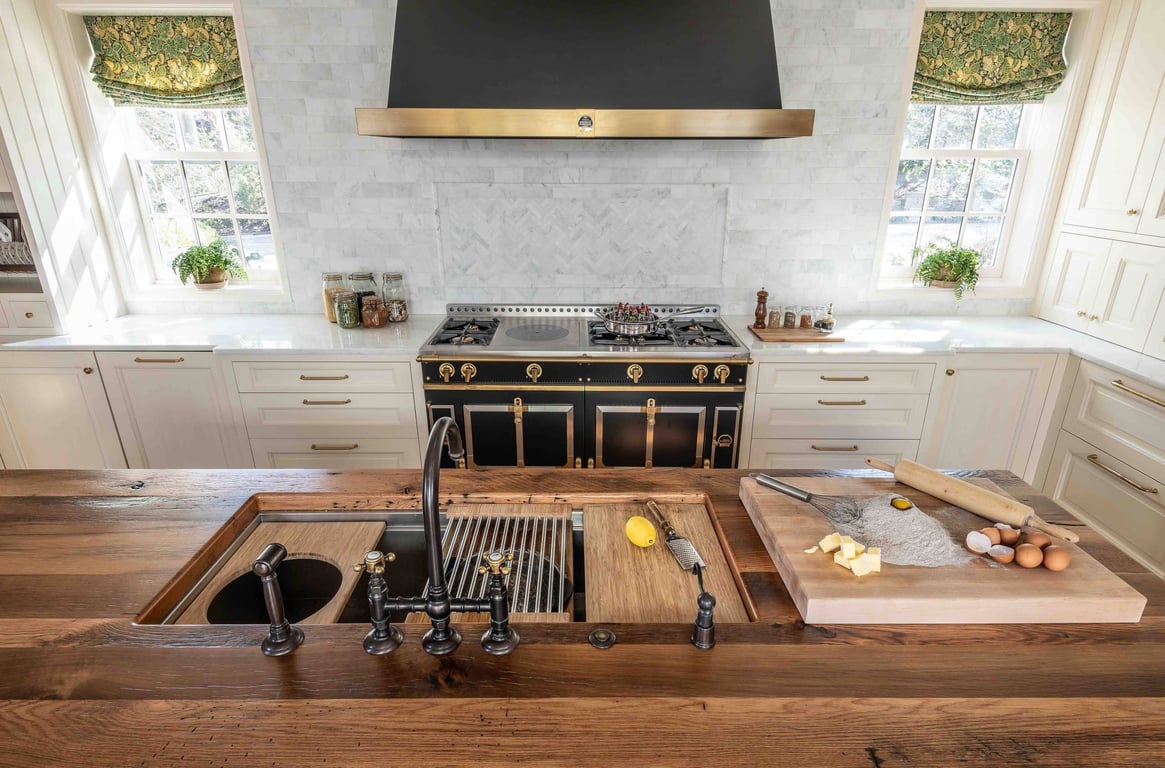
[(586, 124)]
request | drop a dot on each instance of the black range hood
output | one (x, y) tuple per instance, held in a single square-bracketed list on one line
[(596, 69)]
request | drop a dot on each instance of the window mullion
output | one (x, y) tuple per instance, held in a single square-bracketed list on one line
[(189, 202)]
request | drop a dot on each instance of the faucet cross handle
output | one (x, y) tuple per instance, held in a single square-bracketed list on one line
[(374, 562), (496, 562), (384, 637)]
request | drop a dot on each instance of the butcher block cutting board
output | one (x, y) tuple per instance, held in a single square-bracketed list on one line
[(980, 592)]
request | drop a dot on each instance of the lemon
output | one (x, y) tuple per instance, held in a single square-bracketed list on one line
[(640, 531)]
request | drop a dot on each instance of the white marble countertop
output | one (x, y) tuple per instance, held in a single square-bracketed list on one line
[(312, 335)]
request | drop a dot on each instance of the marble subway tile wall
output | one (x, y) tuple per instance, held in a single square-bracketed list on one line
[(525, 220)]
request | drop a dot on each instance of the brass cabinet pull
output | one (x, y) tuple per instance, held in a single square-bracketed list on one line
[(351, 447), (1133, 211), (159, 359), (1119, 384), (1081, 313), (721, 373), (590, 463), (841, 402), (468, 371), (1094, 318), (87, 370), (845, 378), (1095, 459), (578, 463), (534, 372), (699, 373), (29, 315), (446, 370), (305, 377), (328, 402), (835, 449), (724, 441), (635, 372)]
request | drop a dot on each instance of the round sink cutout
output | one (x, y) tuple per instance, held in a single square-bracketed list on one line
[(307, 586)]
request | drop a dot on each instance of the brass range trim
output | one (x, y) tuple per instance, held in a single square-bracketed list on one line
[(592, 359), (451, 387), (585, 123)]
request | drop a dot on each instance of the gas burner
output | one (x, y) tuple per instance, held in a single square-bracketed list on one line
[(462, 339), (703, 341), (600, 336), (459, 332), (702, 333)]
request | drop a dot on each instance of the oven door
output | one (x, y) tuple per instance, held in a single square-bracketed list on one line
[(514, 427), (641, 428)]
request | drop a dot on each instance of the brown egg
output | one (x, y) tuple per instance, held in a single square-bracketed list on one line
[(1028, 555), (1008, 537), (1001, 554), (1038, 538), (991, 533), (1056, 558)]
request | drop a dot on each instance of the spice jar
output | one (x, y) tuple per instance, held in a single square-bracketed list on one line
[(395, 296), (790, 318), (333, 284), (363, 285), (373, 312), (806, 317), (346, 309), (775, 318)]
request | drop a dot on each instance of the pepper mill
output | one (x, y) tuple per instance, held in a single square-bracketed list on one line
[(762, 308)]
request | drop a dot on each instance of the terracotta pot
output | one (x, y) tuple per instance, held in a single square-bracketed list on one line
[(214, 280), (943, 283)]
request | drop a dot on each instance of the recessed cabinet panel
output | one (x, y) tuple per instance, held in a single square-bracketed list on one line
[(350, 453), (322, 376), (1070, 292), (866, 416), (1129, 293), (834, 378), (828, 454), (329, 414)]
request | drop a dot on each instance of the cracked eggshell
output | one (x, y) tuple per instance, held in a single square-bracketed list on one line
[(1001, 554), (978, 542), (993, 534)]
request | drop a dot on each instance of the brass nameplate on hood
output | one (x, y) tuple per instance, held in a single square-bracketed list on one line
[(582, 123)]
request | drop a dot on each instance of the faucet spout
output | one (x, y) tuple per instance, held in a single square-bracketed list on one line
[(442, 639)]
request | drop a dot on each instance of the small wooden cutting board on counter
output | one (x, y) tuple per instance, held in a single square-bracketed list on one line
[(979, 592), (627, 583)]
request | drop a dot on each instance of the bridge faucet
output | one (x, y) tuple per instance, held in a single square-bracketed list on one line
[(443, 638)]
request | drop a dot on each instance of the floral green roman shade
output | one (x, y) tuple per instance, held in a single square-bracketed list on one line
[(167, 61), (990, 57)]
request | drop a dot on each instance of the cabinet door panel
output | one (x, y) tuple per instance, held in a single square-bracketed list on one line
[(1126, 126), (1070, 290), (53, 413), (1129, 293), (170, 409)]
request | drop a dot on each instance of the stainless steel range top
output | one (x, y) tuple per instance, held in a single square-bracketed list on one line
[(573, 330)]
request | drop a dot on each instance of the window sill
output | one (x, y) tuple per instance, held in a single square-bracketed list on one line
[(245, 293), (988, 288)]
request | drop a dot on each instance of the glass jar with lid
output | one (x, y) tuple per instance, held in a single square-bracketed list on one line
[(373, 313), (362, 284), (395, 296), (347, 309), (333, 284)]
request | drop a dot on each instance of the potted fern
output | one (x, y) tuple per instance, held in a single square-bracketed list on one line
[(947, 266), (210, 265)]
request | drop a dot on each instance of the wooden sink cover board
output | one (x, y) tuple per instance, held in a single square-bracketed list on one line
[(981, 592)]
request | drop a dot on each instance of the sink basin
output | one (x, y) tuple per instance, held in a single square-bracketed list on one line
[(307, 586)]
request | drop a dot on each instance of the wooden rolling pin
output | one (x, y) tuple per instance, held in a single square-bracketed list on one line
[(972, 498)]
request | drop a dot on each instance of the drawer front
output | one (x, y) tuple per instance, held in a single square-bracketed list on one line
[(322, 376), (30, 314), (330, 415), (848, 417), (1119, 416), (346, 453), (914, 378), (1131, 518), (828, 454)]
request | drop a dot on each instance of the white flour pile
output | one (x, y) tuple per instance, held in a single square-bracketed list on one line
[(906, 536)]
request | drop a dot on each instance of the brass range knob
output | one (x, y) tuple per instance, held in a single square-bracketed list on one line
[(635, 372), (721, 373), (446, 370), (534, 372), (468, 371), (699, 373)]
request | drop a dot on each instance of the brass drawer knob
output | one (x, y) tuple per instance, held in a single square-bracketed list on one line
[(468, 371), (446, 370), (635, 372), (1133, 211), (534, 372), (721, 373), (699, 373)]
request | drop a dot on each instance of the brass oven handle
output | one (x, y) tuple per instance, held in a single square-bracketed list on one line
[(446, 370), (159, 359), (635, 372), (328, 402), (468, 371), (841, 402), (351, 447), (1126, 388), (305, 377), (845, 378), (721, 373), (699, 373), (534, 372), (833, 449), (651, 410), (1095, 459), (517, 409), (724, 441)]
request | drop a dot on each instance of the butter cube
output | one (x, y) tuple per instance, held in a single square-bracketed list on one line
[(875, 553), (849, 549), (830, 543), (844, 562), (861, 565)]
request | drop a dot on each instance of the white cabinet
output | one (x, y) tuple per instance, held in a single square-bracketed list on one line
[(170, 408), (54, 414), (833, 415), (1106, 288), (1114, 180), (328, 413), (989, 412)]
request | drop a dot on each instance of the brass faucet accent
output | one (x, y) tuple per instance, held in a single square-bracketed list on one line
[(468, 371), (446, 370), (635, 372), (383, 638), (721, 373), (699, 373), (534, 372)]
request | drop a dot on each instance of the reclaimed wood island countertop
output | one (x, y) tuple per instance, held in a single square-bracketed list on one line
[(81, 553)]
